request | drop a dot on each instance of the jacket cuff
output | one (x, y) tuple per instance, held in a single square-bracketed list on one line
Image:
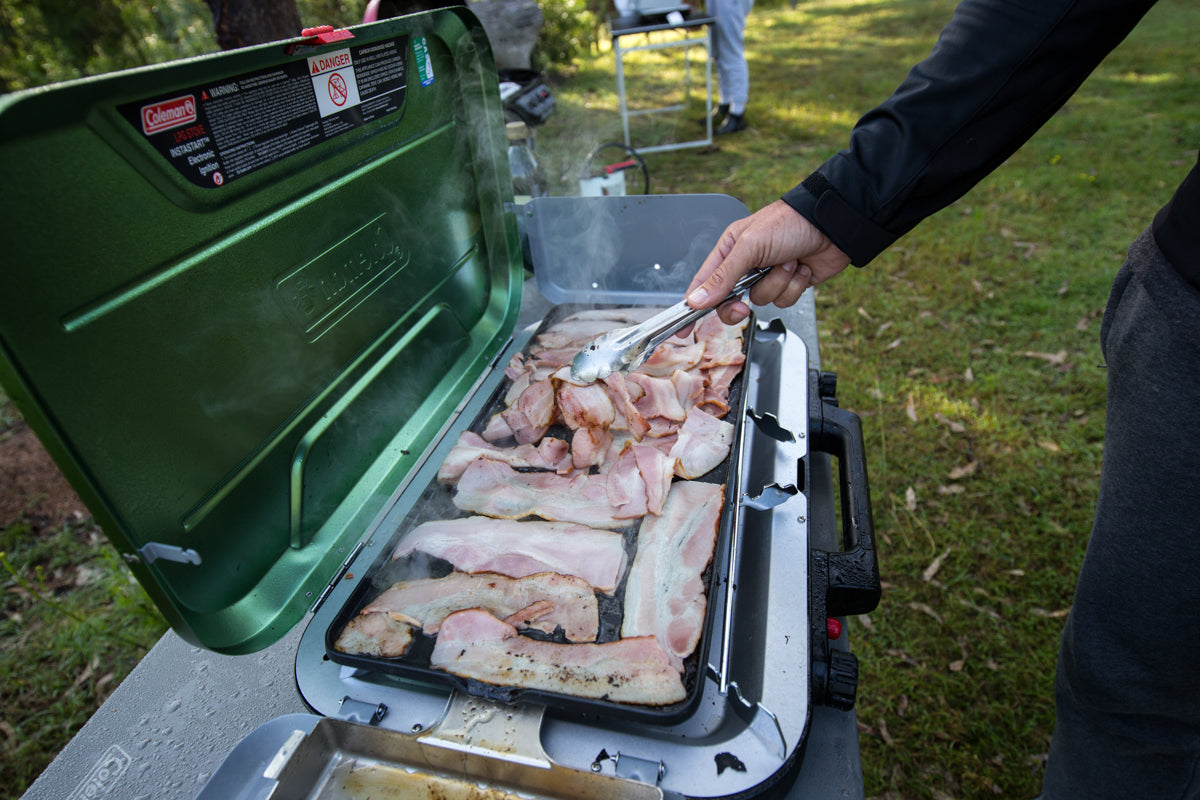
[(821, 204)]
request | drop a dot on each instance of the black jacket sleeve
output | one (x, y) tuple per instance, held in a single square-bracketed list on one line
[(999, 70)]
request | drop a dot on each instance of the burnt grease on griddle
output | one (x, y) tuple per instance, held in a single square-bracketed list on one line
[(436, 502)]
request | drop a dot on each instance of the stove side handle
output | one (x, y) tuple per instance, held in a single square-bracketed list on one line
[(853, 574)]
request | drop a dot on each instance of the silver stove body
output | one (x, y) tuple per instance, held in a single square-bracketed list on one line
[(756, 701)]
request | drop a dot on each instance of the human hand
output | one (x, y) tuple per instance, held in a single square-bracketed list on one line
[(774, 236)]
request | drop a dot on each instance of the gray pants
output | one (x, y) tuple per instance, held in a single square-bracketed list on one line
[(1128, 682), (729, 51)]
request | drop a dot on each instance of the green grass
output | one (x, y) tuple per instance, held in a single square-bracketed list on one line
[(74, 624), (969, 349)]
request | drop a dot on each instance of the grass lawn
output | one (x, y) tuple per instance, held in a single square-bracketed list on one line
[(969, 349)]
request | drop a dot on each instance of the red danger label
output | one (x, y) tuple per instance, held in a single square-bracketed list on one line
[(325, 63), (168, 114)]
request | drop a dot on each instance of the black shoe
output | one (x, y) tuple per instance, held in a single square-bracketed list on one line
[(732, 124), (718, 115)]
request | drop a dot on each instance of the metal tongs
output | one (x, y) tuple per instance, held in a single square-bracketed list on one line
[(626, 349)]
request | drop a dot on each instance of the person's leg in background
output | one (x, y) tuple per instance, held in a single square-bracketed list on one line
[(729, 53), (1128, 683)]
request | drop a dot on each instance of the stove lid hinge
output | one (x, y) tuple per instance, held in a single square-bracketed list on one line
[(361, 712), (153, 551)]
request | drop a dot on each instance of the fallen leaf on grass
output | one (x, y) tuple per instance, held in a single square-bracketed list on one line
[(88, 672), (957, 666), (981, 609), (955, 427), (911, 409), (964, 471), (1046, 444), (903, 656), (926, 609), (910, 499), (883, 734), (1041, 612), (1029, 247), (1054, 359), (934, 566), (953, 488)]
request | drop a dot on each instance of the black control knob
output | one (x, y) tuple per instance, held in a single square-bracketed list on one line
[(841, 688)]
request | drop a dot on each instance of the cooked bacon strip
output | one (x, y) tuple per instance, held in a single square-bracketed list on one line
[(533, 412), (668, 357), (624, 396), (588, 447), (474, 644), (585, 406), (517, 549), (660, 398), (550, 453), (703, 443), (543, 601), (497, 429), (497, 490), (664, 595), (384, 635)]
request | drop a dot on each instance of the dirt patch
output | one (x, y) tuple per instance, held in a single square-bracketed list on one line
[(31, 485)]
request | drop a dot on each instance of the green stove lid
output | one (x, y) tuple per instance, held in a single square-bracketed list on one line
[(242, 294)]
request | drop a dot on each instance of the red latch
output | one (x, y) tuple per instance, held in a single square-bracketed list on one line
[(833, 628), (321, 34), (620, 165)]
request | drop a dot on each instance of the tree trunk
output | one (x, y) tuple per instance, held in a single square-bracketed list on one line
[(239, 23)]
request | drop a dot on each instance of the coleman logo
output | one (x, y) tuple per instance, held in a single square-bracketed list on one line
[(330, 61), (168, 114)]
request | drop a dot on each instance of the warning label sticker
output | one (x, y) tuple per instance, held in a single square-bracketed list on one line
[(217, 133)]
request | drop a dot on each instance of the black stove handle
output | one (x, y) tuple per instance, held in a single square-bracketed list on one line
[(853, 573)]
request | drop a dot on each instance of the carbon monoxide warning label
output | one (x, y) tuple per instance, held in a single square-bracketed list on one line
[(219, 132)]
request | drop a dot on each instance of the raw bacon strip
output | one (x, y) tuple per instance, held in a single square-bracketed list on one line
[(664, 595), (703, 443), (543, 601), (625, 486), (550, 453), (497, 490), (384, 635), (689, 386), (474, 644), (657, 470), (518, 549), (713, 328)]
